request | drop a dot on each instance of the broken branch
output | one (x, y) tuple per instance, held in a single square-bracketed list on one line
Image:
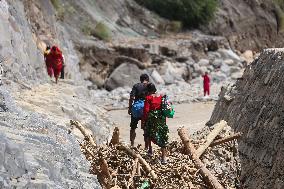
[(226, 139), (208, 177), (79, 126), (141, 160), (212, 135)]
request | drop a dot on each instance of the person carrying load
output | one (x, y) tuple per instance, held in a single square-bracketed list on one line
[(136, 104)]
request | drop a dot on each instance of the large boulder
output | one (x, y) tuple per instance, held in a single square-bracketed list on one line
[(124, 75)]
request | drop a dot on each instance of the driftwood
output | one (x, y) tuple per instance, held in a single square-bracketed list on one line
[(226, 139), (134, 170), (208, 177), (100, 176), (141, 160), (212, 135), (88, 137), (104, 168), (115, 136)]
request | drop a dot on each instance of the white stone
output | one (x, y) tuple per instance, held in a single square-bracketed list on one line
[(157, 77)]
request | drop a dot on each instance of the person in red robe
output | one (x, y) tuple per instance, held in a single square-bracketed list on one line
[(56, 60), (47, 61), (154, 122), (206, 84)]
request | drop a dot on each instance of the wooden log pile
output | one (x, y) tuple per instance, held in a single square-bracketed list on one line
[(119, 166)]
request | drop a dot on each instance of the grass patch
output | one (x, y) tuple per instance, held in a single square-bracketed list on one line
[(100, 31), (60, 10)]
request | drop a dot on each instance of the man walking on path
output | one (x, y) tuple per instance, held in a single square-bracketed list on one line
[(206, 84), (136, 104)]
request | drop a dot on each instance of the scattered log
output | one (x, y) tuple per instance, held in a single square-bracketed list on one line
[(141, 160), (115, 136), (225, 139), (212, 135), (104, 168), (208, 177), (138, 169), (88, 137), (134, 170)]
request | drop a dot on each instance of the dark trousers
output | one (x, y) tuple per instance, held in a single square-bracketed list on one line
[(62, 73)]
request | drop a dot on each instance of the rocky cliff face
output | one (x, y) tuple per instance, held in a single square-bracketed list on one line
[(247, 24), (254, 106)]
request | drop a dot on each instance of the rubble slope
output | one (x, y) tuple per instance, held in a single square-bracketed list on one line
[(254, 106)]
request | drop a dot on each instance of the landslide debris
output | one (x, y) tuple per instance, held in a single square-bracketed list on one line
[(116, 168)]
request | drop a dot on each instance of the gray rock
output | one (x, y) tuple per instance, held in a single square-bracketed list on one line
[(237, 75), (203, 62), (225, 69), (230, 62), (217, 63), (157, 77), (229, 54), (218, 77), (235, 69), (124, 75)]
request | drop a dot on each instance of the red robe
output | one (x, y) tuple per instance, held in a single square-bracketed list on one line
[(55, 59), (151, 103), (206, 84)]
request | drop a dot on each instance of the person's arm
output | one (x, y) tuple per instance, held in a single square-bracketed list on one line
[(131, 99), (145, 112)]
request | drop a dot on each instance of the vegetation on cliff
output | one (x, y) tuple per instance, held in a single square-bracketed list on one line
[(192, 13)]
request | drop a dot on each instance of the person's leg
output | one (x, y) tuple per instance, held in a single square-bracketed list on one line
[(62, 73), (204, 91), (133, 126), (164, 154), (150, 150)]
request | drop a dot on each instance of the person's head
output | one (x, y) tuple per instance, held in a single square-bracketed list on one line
[(144, 78), (151, 88), (47, 47), (54, 48), (206, 73)]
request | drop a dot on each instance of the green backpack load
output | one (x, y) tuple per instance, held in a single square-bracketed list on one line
[(167, 107)]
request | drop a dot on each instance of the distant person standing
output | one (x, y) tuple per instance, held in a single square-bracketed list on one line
[(206, 84), (136, 104), (55, 58)]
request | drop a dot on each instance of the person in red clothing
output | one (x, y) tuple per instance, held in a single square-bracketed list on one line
[(48, 61), (56, 60), (206, 84), (154, 122)]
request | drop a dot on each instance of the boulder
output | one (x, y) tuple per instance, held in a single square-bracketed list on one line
[(229, 54), (248, 56), (230, 62), (217, 63), (171, 73), (237, 75), (124, 75), (218, 77), (235, 69), (157, 77), (203, 62), (225, 69)]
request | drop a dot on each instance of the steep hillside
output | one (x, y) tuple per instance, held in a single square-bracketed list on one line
[(250, 24), (254, 106)]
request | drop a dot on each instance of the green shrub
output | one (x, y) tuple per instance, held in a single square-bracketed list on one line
[(192, 13), (59, 9), (102, 32)]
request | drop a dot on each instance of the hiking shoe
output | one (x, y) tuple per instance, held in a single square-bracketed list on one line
[(164, 161), (150, 153)]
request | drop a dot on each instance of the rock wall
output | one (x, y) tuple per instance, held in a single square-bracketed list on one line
[(247, 24), (254, 106)]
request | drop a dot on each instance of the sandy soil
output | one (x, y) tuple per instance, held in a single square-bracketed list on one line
[(193, 116)]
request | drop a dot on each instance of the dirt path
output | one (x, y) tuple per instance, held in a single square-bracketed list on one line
[(193, 116)]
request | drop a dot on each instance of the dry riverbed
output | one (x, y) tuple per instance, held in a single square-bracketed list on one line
[(193, 116)]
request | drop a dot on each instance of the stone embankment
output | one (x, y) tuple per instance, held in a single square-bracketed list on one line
[(254, 106)]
